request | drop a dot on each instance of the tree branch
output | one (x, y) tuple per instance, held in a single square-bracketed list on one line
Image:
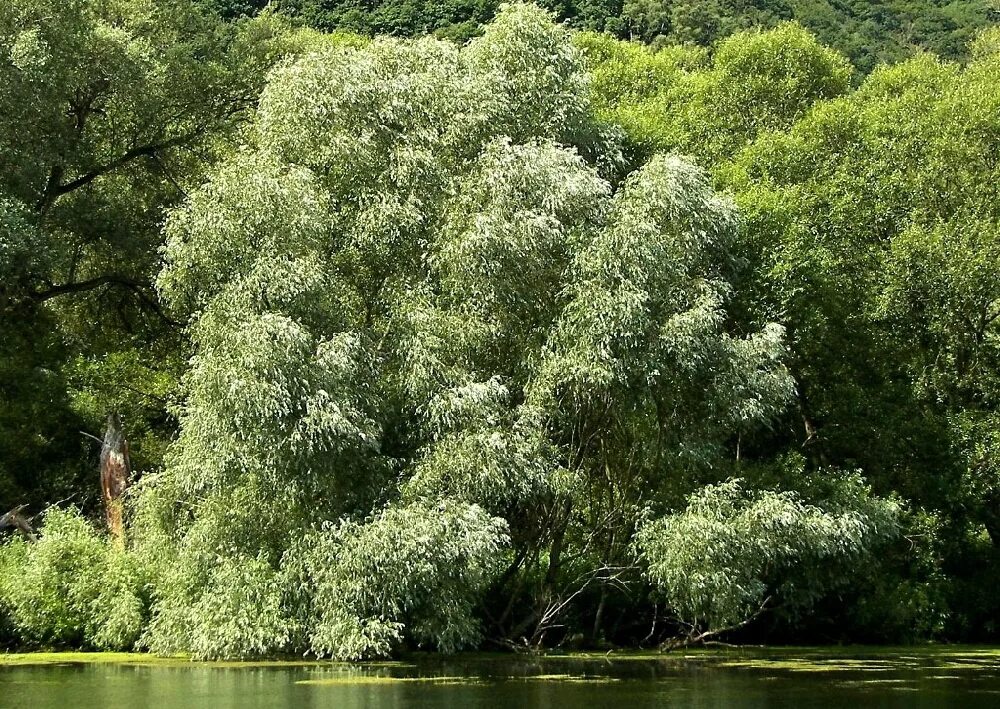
[(56, 188), (694, 637), (82, 287), (107, 280)]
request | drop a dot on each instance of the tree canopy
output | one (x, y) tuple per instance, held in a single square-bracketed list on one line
[(110, 111), (869, 33)]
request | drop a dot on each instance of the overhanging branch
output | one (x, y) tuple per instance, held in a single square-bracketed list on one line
[(116, 280), (55, 188)]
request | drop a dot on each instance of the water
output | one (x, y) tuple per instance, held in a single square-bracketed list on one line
[(967, 679)]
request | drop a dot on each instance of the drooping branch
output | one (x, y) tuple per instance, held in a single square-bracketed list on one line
[(696, 636)]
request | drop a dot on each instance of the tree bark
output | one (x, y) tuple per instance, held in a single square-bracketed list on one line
[(115, 470)]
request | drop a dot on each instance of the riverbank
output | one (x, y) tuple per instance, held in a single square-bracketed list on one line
[(809, 658)]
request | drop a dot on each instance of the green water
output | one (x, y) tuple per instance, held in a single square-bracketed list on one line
[(966, 680)]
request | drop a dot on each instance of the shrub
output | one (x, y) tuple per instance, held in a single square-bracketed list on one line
[(72, 587)]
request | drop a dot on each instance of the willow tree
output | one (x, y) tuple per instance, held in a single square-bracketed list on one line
[(445, 350), (735, 553)]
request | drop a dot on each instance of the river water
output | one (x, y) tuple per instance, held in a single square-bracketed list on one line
[(966, 679)]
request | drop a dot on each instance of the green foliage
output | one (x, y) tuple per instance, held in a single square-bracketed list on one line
[(903, 593), (459, 19), (874, 219), (774, 77), (443, 326), (701, 22), (38, 448), (874, 215), (417, 301), (110, 111), (675, 99), (732, 552), (223, 606), (868, 33), (418, 567), (72, 587)]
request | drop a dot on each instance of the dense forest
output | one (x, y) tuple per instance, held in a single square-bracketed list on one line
[(515, 333), (868, 32)]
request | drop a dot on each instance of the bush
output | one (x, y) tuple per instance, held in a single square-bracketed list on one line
[(72, 587), (219, 607)]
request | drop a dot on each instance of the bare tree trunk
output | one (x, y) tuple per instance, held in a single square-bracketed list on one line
[(115, 470), (599, 616)]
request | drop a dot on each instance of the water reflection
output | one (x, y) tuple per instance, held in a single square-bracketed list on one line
[(515, 683)]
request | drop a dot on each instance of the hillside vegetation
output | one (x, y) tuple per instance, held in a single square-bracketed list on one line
[(867, 32)]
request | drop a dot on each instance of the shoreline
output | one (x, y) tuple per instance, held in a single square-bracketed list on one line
[(778, 654)]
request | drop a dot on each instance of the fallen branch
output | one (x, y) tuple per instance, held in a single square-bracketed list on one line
[(695, 637)]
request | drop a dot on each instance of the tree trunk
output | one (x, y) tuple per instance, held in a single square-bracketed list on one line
[(115, 469), (599, 616)]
